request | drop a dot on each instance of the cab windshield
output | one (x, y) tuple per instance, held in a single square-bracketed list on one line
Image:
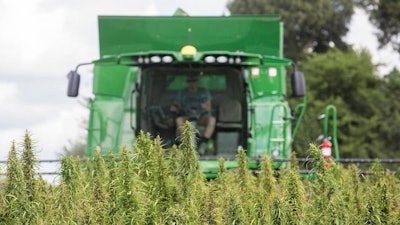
[(160, 86)]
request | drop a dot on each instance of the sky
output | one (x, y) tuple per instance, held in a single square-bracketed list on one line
[(45, 39)]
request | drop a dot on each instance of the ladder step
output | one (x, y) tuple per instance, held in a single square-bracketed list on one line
[(277, 139), (278, 122)]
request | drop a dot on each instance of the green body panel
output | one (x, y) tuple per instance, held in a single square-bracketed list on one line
[(127, 34), (112, 81), (110, 112), (128, 89)]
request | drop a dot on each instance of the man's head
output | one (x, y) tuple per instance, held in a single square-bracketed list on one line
[(192, 82), (191, 78)]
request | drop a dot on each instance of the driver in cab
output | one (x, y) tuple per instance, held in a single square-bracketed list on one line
[(194, 104)]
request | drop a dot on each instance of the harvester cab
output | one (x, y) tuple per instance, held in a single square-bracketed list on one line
[(144, 62)]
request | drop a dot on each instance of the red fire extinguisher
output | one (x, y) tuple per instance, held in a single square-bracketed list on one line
[(326, 150)]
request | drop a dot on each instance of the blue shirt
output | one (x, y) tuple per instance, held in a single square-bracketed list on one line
[(190, 102)]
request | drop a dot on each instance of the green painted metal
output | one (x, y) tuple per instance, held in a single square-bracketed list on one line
[(270, 131), (180, 12), (132, 59), (299, 110), (131, 34), (280, 122), (331, 110), (110, 111)]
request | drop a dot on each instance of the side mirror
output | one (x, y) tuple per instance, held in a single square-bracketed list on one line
[(298, 84), (73, 84)]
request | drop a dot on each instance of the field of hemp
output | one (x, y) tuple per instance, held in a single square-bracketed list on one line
[(147, 184)]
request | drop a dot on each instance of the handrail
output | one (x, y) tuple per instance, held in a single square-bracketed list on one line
[(301, 106), (272, 124), (332, 108)]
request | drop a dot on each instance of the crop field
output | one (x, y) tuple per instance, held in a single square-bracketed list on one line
[(147, 184)]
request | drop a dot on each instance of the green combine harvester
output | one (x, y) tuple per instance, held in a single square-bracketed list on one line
[(145, 61)]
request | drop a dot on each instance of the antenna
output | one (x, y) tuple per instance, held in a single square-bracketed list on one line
[(189, 35)]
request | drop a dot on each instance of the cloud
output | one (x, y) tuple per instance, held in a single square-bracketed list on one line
[(49, 135), (204, 7), (29, 39), (60, 128), (41, 107), (27, 101), (8, 93), (362, 36)]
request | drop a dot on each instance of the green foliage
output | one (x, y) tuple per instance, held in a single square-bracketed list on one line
[(346, 80), (294, 197), (29, 162), (14, 195), (75, 148), (388, 129), (145, 186), (68, 199), (309, 25)]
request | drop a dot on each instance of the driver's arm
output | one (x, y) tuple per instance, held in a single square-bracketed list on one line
[(175, 107), (206, 101), (206, 106)]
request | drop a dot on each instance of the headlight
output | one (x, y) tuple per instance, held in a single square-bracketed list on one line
[(155, 59), (272, 72), (167, 59), (209, 59), (238, 60), (222, 59)]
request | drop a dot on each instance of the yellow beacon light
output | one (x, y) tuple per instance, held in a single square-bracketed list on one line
[(188, 51)]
